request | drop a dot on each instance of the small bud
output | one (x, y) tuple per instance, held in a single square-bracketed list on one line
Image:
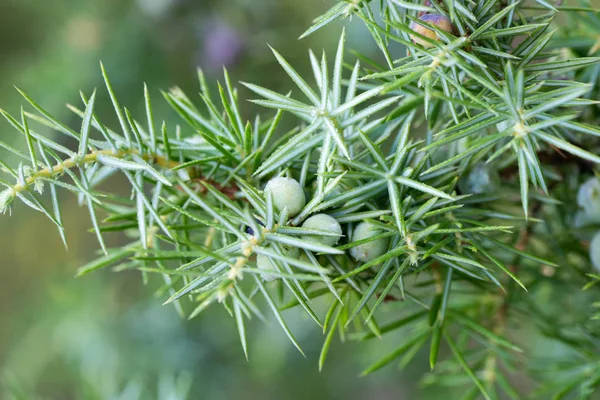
[(371, 250), (38, 186), (247, 249), (323, 222), (438, 20), (6, 199), (286, 192), (235, 272), (222, 294), (27, 171)]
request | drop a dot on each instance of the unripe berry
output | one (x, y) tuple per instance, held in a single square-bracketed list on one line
[(595, 251), (481, 179), (583, 219), (323, 222), (371, 250), (434, 19), (588, 196), (264, 263), (579, 219), (286, 192)]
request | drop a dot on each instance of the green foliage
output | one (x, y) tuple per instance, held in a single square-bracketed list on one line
[(382, 143)]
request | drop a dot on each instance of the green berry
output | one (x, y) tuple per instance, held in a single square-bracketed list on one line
[(588, 196), (323, 222), (266, 264), (595, 251), (286, 192), (583, 219), (481, 179), (371, 250)]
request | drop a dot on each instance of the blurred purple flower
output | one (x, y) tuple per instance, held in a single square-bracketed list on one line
[(222, 45)]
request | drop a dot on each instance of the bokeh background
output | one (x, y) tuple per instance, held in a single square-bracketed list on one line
[(106, 336)]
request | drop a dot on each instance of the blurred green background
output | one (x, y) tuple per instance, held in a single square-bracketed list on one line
[(106, 336)]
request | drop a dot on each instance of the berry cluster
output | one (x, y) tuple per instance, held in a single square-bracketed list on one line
[(288, 198)]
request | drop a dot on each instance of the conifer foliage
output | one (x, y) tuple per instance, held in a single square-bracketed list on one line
[(439, 182)]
